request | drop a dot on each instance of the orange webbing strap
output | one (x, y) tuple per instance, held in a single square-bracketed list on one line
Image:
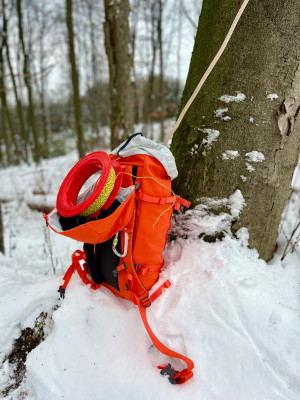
[(78, 261), (179, 201), (176, 377), (160, 291)]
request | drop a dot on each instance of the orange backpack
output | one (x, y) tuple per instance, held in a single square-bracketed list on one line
[(123, 249)]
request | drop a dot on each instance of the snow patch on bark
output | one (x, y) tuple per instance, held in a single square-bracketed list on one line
[(250, 168), (272, 96), (212, 136), (230, 155), (251, 119), (194, 150), (237, 203), (255, 156), (228, 99), (243, 178), (219, 113), (243, 236)]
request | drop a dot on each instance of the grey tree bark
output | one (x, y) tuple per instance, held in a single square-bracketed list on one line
[(23, 132), (214, 145), (75, 79), (161, 71), (1, 232), (119, 50), (28, 84)]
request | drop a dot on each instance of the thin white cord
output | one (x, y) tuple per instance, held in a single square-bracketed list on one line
[(208, 71)]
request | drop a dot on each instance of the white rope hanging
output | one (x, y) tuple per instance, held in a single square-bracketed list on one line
[(208, 71)]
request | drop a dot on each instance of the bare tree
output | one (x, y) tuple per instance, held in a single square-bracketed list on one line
[(23, 132), (119, 52), (75, 79), (27, 80)]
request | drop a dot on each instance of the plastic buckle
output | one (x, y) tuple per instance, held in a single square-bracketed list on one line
[(61, 292), (169, 370), (145, 301), (116, 271)]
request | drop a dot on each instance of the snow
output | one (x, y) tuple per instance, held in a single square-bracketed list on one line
[(212, 136), (250, 167), (251, 119), (236, 316), (237, 203), (228, 99), (219, 113), (255, 156), (272, 96), (230, 154), (243, 178)]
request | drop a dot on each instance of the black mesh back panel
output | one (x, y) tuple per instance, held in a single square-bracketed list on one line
[(107, 261)]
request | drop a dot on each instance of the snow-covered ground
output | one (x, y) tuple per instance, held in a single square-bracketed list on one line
[(235, 316)]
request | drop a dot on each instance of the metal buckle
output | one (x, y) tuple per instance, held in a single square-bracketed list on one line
[(169, 370), (145, 301)]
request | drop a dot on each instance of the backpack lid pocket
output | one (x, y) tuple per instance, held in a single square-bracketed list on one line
[(101, 229)]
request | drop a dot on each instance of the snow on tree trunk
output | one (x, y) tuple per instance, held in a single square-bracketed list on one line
[(119, 50), (242, 131)]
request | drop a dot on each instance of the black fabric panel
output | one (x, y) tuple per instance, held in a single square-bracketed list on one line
[(93, 267), (134, 173), (72, 222), (107, 261)]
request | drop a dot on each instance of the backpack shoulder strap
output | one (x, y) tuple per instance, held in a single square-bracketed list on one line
[(175, 377)]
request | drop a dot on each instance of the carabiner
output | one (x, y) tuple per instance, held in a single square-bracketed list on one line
[(115, 243)]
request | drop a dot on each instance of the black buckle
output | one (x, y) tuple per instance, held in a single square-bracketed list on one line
[(61, 292), (169, 370), (145, 301), (116, 272)]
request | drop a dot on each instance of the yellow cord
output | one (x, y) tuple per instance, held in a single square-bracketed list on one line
[(103, 196), (161, 184)]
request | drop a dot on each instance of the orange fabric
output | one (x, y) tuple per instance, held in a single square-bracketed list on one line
[(149, 242), (101, 230), (160, 291)]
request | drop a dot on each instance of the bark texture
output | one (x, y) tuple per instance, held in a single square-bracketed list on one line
[(1, 232), (261, 59), (119, 50), (28, 84), (75, 79)]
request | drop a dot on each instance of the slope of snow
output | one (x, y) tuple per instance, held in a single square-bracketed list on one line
[(234, 315)]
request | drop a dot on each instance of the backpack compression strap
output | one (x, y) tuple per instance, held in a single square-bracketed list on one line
[(175, 377), (78, 261)]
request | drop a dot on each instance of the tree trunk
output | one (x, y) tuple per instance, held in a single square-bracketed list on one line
[(75, 80), (27, 80), (23, 133), (4, 111), (214, 144), (1, 232), (119, 50), (161, 72)]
